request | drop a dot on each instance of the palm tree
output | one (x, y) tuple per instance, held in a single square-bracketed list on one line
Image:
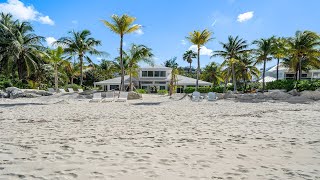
[(136, 54), (232, 50), (303, 47), (188, 56), (122, 25), (212, 73), (58, 62), (263, 52), (20, 48), (81, 44), (199, 39), (279, 51), (247, 69), (171, 63)]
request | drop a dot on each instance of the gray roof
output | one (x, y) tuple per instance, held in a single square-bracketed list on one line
[(116, 81), (183, 80)]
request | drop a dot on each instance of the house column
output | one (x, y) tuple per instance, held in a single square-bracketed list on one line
[(311, 75), (108, 87)]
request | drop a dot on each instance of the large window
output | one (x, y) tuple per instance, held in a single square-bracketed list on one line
[(162, 74), (150, 73), (162, 88), (114, 87), (160, 82), (144, 73), (146, 82), (157, 74)]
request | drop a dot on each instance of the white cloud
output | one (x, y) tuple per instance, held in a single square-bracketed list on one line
[(183, 42), (74, 22), (139, 32), (46, 20), (245, 16), (204, 51), (24, 13), (50, 40)]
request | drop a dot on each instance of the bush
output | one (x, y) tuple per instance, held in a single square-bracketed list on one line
[(141, 91), (163, 92), (4, 83), (75, 87), (217, 89), (303, 85)]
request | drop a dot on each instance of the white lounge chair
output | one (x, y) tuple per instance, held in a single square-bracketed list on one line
[(196, 96), (70, 90), (62, 91), (96, 97), (109, 97), (123, 97), (51, 90), (212, 96), (80, 90)]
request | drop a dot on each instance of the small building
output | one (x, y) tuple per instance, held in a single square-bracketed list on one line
[(151, 79), (285, 73)]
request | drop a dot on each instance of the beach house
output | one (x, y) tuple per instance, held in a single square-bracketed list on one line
[(152, 79)]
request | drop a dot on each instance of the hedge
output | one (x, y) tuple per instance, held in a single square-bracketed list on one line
[(141, 91), (163, 92), (302, 85)]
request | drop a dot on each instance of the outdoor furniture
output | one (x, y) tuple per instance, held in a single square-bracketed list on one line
[(51, 90), (109, 97), (96, 97), (212, 96), (196, 96), (70, 90), (122, 97), (62, 91)]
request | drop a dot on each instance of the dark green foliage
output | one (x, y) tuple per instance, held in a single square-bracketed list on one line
[(141, 91), (4, 83), (303, 85), (75, 87), (163, 92)]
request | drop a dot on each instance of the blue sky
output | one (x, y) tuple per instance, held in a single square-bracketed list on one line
[(166, 23)]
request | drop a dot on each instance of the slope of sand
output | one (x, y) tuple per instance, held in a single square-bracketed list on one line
[(158, 138)]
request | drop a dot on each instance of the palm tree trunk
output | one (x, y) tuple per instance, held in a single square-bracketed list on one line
[(300, 68), (198, 69), (20, 70), (278, 68), (56, 77), (122, 88), (190, 69), (263, 75), (234, 79), (131, 87), (81, 68)]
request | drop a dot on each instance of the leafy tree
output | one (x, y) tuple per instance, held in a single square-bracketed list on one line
[(279, 50), (199, 39), (171, 63), (122, 25), (212, 73), (247, 69), (189, 56)]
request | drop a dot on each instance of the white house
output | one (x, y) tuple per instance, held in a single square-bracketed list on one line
[(151, 79), (285, 73)]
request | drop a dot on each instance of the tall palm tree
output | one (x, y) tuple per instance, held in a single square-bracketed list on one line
[(171, 63), (303, 47), (136, 54), (247, 68), (189, 56), (80, 44), (20, 48), (199, 39), (212, 73), (279, 51), (232, 50), (58, 61), (122, 25), (263, 52)]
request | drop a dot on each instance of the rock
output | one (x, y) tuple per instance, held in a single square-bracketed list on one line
[(229, 94), (246, 96), (4, 94), (294, 92), (260, 95), (298, 100), (220, 95), (38, 92), (278, 95), (133, 95), (15, 92), (31, 95), (314, 95)]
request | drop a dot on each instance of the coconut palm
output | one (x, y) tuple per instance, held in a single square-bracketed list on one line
[(136, 54), (171, 63), (279, 51), (263, 53), (247, 69), (20, 48), (212, 73), (189, 56), (303, 47), (55, 57), (122, 25), (199, 39), (81, 44), (232, 50)]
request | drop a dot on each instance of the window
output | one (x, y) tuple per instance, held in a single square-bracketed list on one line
[(144, 73), (304, 75), (114, 87), (157, 74), (144, 87), (162, 87), (160, 82), (146, 82), (150, 73), (162, 74)]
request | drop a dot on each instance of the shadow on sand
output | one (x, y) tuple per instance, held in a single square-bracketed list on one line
[(147, 104), (21, 104)]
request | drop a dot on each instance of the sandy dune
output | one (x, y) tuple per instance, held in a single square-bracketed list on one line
[(158, 138)]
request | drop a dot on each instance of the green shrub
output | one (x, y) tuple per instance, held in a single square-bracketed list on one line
[(141, 91), (75, 87), (303, 85), (217, 89), (163, 92), (4, 83)]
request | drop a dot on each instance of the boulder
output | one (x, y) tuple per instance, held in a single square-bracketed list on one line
[(260, 95), (37, 92), (294, 92), (313, 95), (4, 94), (298, 100), (230, 94), (15, 92), (31, 95), (133, 95), (220, 95), (278, 95)]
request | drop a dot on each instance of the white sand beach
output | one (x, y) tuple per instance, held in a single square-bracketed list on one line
[(158, 138)]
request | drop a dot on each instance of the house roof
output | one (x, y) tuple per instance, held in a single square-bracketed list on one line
[(116, 80), (268, 79), (274, 68), (183, 80)]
